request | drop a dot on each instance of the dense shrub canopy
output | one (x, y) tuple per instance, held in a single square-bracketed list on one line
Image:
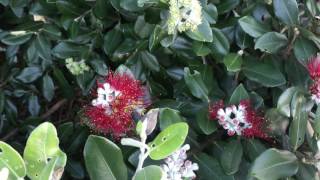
[(238, 80)]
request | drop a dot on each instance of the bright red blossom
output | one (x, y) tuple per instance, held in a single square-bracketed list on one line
[(314, 67), (314, 71), (117, 98), (241, 120)]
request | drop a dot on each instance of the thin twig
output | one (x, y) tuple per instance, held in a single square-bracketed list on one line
[(53, 109)]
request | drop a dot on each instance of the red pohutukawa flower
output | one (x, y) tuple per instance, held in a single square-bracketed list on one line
[(117, 98), (314, 71), (242, 120)]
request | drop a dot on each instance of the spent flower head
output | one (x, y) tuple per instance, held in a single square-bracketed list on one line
[(118, 96), (177, 166), (184, 15), (76, 68)]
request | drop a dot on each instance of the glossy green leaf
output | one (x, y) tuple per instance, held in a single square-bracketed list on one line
[(168, 141), (274, 164), (233, 62), (220, 45), (142, 28), (253, 27), (284, 101), (227, 5), (33, 105), (231, 157), (99, 67), (29, 74), (271, 42), (252, 148), (240, 93), (196, 84), (287, 11), (317, 121), (210, 13), (41, 151), (150, 61), (47, 87), (298, 126), (209, 168), (304, 49), (263, 73), (63, 83), (104, 159), (149, 172), (15, 38), (202, 33), (206, 124), (11, 159)]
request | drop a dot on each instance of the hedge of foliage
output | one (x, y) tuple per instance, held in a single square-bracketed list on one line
[(159, 89)]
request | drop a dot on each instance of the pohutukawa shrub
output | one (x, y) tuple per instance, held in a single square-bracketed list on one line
[(159, 89)]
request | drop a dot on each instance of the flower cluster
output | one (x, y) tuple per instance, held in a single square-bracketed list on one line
[(314, 71), (117, 98), (76, 68), (241, 120), (177, 167), (184, 15)]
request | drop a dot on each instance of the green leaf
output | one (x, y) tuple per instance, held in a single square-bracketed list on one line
[(200, 48), (274, 164), (47, 87), (240, 93), (210, 13), (271, 42), (206, 125), (253, 27), (63, 83), (307, 171), (130, 5), (284, 101), (41, 150), (316, 126), (202, 33), (29, 74), (150, 61), (209, 168), (304, 49), (253, 148), (168, 117), (33, 105), (43, 47), (231, 157), (99, 66), (16, 38), (65, 50), (233, 62), (263, 73), (227, 5), (142, 28), (155, 38), (150, 172), (220, 45), (12, 160), (168, 141), (287, 11), (297, 129), (104, 159), (111, 41), (196, 84)]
